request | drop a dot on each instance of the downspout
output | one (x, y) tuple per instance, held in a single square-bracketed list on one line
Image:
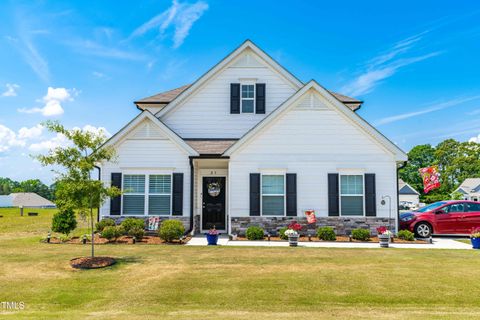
[(398, 195), (192, 174), (99, 179)]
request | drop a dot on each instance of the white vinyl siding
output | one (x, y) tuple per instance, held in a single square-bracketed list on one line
[(155, 199), (134, 194), (351, 195), (273, 195), (247, 93)]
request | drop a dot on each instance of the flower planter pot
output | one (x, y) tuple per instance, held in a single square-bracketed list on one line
[(383, 239), (475, 243), (293, 241), (212, 239)]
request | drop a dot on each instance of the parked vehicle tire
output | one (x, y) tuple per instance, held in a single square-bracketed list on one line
[(423, 230)]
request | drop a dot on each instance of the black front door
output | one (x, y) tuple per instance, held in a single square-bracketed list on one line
[(213, 203)]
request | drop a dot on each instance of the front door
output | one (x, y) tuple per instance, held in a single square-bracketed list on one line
[(213, 203)]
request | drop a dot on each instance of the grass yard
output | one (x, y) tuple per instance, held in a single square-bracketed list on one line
[(179, 282)]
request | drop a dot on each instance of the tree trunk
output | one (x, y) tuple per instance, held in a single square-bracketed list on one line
[(93, 234)]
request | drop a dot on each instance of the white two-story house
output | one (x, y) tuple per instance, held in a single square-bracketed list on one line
[(248, 143)]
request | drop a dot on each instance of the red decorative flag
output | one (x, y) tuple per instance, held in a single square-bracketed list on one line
[(430, 179), (310, 216)]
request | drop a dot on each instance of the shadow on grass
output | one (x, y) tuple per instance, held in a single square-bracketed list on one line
[(126, 261)]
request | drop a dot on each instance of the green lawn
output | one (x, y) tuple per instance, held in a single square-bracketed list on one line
[(179, 282)]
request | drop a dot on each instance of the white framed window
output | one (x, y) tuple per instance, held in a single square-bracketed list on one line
[(147, 194), (352, 197), (247, 95), (273, 194)]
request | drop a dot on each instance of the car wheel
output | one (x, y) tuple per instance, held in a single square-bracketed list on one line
[(423, 230)]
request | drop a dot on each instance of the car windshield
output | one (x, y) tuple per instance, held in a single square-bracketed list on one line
[(431, 207)]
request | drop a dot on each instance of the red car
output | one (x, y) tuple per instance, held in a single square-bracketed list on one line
[(443, 217)]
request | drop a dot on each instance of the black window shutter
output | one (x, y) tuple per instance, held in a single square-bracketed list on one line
[(254, 194), (291, 194), (116, 202), (177, 188), (333, 198), (370, 195), (260, 98), (234, 97)]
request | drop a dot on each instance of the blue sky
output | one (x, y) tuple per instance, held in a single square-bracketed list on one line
[(414, 63)]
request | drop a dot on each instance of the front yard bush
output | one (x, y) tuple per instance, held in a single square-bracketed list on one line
[(171, 230), (361, 234), (281, 233), (112, 232), (64, 221), (406, 235), (100, 225), (137, 232), (255, 233), (326, 234), (131, 223)]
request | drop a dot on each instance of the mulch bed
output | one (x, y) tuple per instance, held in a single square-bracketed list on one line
[(92, 263), (121, 240), (339, 239)]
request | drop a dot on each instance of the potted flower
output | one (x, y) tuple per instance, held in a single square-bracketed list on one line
[(384, 236), (212, 236), (475, 238), (292, 233)]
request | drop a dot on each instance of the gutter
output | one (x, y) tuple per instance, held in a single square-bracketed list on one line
[(398, 195), (192, 174), (99, 179)]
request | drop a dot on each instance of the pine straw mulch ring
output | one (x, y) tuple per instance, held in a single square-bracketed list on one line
[(339, 239), (92, 263)]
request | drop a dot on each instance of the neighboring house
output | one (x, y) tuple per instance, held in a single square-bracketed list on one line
[(407, 195), (250, 144), (26, 200), (470, 189)]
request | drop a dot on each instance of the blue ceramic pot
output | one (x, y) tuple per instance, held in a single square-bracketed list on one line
[(212, 239), (475, 243)]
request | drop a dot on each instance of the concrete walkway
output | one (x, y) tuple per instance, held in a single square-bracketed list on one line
[(438, 243)]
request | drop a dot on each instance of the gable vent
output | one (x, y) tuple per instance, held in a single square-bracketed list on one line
[(147, 130), (311, 102)]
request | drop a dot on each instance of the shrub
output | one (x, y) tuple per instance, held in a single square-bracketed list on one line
[(326, 233), (137, 233), (281, 233), (100, 225), (406, 235), (361, 234), (255, 233), (171, 230), (64, 221), (112, 232), (131, 223)]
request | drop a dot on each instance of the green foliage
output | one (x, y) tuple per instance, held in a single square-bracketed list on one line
[(8, 186), (137, 232), (171, 230), (255, 233), (131, 223), (112, 232), (361, 234), (456, 161), (64, 221), (326, 233), (100, 225), (281, 233), (406, 235)]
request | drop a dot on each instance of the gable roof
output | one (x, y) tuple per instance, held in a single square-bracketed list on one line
[(210, 146), (405, 188), (25, 199), (399, 154), (170, 95), (166, 130), (470, 185)]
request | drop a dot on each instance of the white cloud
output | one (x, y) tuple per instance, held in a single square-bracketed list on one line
[(8, 138), (99, 75), (30, 133), (11, 90), (89, 47), (436, 107), (95, 130), (53, 100), (475, 139), (181, 16), (59, 140), (385, 65)]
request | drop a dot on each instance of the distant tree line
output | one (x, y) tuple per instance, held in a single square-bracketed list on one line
[(8, 186), (456, 161)]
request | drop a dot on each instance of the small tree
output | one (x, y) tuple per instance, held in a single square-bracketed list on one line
[(75, 188), (64, 221)]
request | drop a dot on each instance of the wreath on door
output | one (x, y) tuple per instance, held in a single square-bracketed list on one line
[(214, 188)]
